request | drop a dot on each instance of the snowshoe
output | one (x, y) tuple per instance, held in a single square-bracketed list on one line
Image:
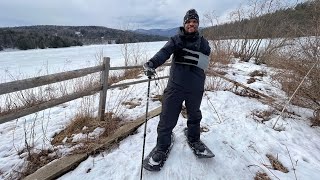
[(156, 158), (199, 148)]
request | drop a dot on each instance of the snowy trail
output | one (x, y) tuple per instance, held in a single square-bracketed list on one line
[(240, 145)]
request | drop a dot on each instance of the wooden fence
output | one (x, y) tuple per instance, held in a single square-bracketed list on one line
[(20, 85)]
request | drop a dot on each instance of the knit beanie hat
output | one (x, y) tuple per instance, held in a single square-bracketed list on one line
[(191, 14)]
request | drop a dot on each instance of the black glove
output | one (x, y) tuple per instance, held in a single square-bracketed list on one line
[(148, 69)]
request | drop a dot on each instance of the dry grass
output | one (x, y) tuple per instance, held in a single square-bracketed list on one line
[(219, 58), (132, 73), (214, 83), (131, 104), (307, 95), (114, 78), (221, 53), (276, 60), (86, 124), (14, 107), (251, 80), (211, 72), (254, 74), (262, 116), (21, 100), (292, 71), (17, 101), (37, 160), (258, 73), (276, 164), (80, 124), (245, 93), (261, 176), (242, 56), (128, 74)]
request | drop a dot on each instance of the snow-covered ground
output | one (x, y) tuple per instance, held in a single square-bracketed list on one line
[(239, 142), (21, 64)]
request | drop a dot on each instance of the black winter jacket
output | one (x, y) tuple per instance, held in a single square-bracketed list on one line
[(185, 77)]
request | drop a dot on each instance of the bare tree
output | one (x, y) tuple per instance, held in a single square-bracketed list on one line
[(252, 29), (221, 49)]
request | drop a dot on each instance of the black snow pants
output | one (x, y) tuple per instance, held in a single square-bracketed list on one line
[(171, 108)]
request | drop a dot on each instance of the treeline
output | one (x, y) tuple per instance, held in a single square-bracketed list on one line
[(32, 37), (32, 40), (301, 20)]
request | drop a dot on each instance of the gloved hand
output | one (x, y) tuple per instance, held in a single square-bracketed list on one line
[(148, 69)]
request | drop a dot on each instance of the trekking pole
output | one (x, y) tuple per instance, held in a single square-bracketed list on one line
[(145, 127)]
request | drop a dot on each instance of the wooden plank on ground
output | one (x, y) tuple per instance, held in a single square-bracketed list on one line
[(57, 168), (61, 166)]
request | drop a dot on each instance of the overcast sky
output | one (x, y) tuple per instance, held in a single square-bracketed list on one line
[(118, 14)]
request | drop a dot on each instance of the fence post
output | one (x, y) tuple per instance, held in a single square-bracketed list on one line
[(103, 93)]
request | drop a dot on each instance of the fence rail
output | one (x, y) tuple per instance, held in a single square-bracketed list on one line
[(20, 85), (44, 80), (48, 104)]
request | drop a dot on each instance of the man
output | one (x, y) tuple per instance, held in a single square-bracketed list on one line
[(186, 83)]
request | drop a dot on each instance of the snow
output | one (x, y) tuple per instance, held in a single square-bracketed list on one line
[(239, 142), (92, 135), (37, 62)]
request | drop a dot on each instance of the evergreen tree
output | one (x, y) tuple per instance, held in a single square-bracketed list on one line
[(30, 37)]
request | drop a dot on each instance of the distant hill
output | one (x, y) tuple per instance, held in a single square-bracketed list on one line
[(47, 36), (160, 32)]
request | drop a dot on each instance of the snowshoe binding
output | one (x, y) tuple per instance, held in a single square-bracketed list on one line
[(199, 149), (156, 158)]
